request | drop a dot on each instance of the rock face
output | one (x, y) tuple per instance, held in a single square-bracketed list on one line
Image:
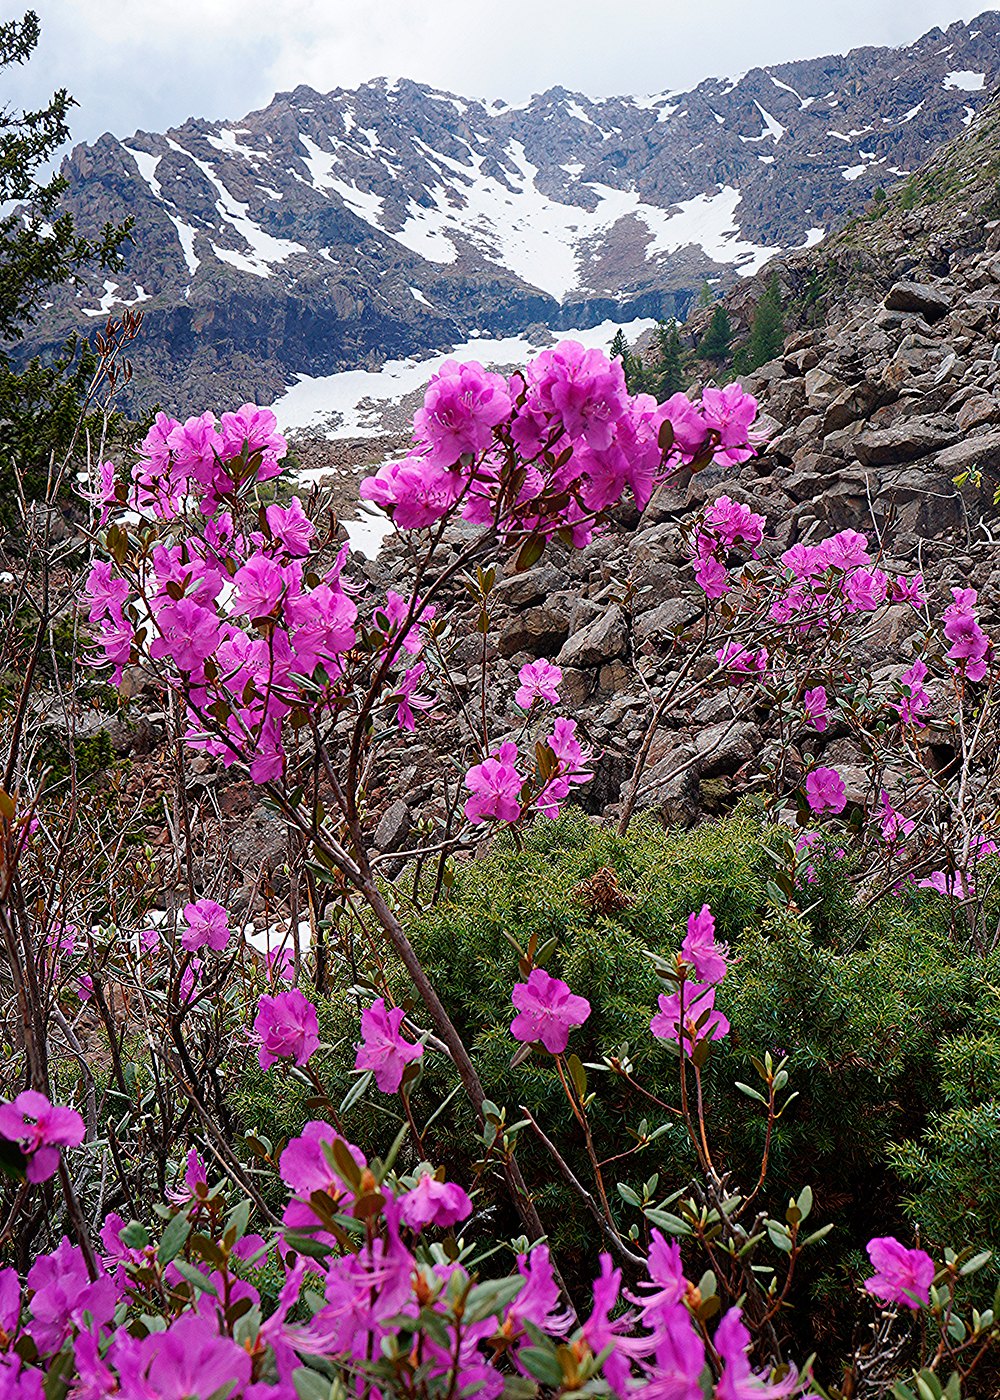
[(330, 230)]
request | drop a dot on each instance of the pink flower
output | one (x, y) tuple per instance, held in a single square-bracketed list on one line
[(740, 663), (911, 592), (738, 1381), (304, 1165), (708, 958), (415, 490), (690, 428), (287, 1027), (495, 785), (694, 1006), (951, 886), (547, 1011), (582, 387), (894, 826), (408, 698), (40, 1128), (915, 698), (969, 643), (538, 682), (815, 708), (383, 1049), (679, 1358), (291, 527), (732, 522), (254, 428), (206, 923), (63, 1293), (433, 1202), (901, 1275), (729, 413), (191, 1358), (825, 791), (845, 550), (190, 634), (712, 577), (462, 406), (260, 587)]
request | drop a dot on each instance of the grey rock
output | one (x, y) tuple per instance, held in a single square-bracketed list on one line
[(601, 640), (930, 302)]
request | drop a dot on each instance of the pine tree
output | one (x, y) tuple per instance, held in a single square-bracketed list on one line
[(767, 334), (619, 351), (706, 296), (717, 340), (669, 369), (40, 249)]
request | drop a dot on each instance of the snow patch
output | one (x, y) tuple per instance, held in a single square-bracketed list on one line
[(186, 234), (146, 165), (965, 81)]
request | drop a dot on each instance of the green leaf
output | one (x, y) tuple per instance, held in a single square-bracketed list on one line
[(973, 1265), (543, 1365), (195, 1278), (173, 1239)]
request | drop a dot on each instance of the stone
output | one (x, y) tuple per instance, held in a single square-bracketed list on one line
[(725, 746), (540, 631), (981, 451), (533, 586), (977, 411), (905, 441), (821, 387), (601, 640), (929, 302), (393, 827), (666, 619)]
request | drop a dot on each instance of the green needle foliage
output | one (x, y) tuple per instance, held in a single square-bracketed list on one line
[(40, 249)]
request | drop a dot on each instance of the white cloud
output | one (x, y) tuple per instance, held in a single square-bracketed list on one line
[(148, 65)]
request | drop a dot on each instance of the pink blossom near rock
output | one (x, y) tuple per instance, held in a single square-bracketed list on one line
[(731, 522), (902, 1275), (433, 1202), (708, 958), (463, 403), (408, 698), (915, 698), (204, 924), (729, 413), (538, 681), (260, 586), (63, 1294), (572, 761), (847, 549), (741, 663), (40, 1128), (825, 790), (815, 708), (383, 1048), (866, 589), (969, 643), (949, 883), (895, 827), (495, 785), (693, 1007), (547, 1011), (712, 577), (909, 591), (287, 1027)]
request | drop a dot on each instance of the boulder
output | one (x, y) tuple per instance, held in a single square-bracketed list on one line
[(930, 302), (601, 640), (906, 440), (981, 451)]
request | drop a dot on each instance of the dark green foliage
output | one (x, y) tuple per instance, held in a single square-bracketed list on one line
[(668, 371), (767, 334), (40, 249), (716, 343), (706, 296), (865, 1002)]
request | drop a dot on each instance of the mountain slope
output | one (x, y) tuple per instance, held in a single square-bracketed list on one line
[(325, 231)]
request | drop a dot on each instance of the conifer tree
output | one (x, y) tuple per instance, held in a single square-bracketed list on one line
[(717, 340), (706, 296), (40, 249), (767, 334), (669, 368)]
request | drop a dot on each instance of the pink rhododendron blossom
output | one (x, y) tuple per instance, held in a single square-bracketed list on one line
[(732, 523), (729, 413), (911, 591), (712, 577), (40, 1128), (462, 405), (538, 681), (902, 1275), (738, 1381), (740, 663), (304, 1164), (678, 1359), (951, 885), (969, 643), (495, 785), (895, 827), (417, 492), (190, 1359), (866, 589), (571, 760), (689, 1005), (547, 1011), (915, 698), (408, 698), (206, 924), (189, 635), (287, 1027), (62, 1293), (433, 1202), (825, 790), (815, 705), (708, 958), (582, 387), (383, 1049), (844, 550), (291, 527)]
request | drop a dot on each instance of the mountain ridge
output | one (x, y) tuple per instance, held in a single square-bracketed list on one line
[(327, 231)]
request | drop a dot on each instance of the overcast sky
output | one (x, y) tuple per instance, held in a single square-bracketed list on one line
[(149, 64)]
